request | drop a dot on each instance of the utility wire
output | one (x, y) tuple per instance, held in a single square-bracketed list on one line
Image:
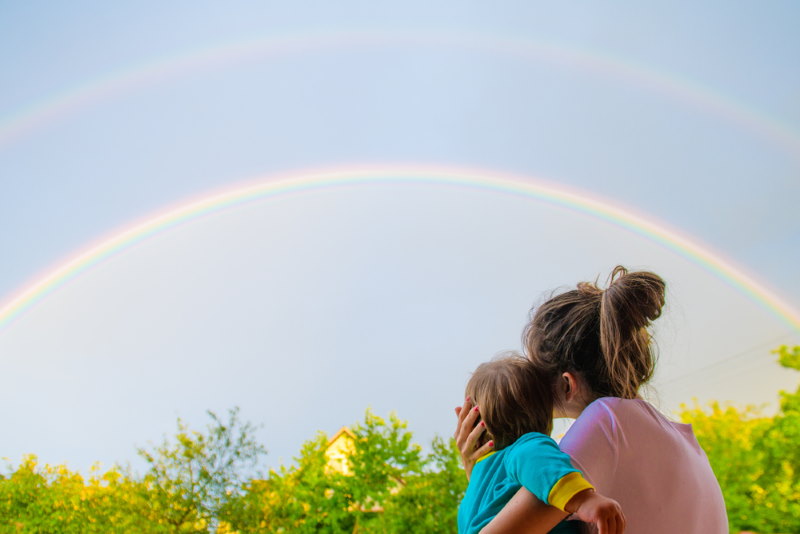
[(725, 361)]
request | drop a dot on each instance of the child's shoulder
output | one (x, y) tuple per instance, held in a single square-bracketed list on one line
[(530, 449), (533, 439)]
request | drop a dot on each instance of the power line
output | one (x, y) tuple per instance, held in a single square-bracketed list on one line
[(725, 361)]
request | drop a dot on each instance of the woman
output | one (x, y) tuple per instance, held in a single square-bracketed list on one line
[(595, 348)]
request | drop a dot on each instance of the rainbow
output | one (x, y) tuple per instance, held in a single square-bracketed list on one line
[(69, 101), (270, 186)]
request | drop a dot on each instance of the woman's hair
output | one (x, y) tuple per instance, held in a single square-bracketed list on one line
[(513, 397), (601, 334)]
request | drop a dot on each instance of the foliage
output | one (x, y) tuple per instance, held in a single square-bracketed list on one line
[(204, 481), (300, 499), (756, 458), (391, 487), (186, 484), (429, 501), (46, 498), (190, 480)]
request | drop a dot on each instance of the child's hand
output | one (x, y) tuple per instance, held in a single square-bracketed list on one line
[(604, 513)]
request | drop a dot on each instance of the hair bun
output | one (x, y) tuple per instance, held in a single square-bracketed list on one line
[(601, 334), (635, 299)]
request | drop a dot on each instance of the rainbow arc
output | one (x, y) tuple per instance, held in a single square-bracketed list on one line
[(270, 186)]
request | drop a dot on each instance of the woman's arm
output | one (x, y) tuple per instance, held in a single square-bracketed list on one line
[(604, 513), (525, 513)]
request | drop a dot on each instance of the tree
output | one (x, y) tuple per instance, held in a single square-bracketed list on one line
[(780, 446), (203, 482), (190, 479), (53, 499), (390, 487), (186, 485), (756, 458), (429, 500)]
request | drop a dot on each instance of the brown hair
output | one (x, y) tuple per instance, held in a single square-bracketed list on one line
[(513, 397), (601, 334)]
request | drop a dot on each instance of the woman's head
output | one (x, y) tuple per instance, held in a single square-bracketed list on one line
[(599, 335), (514, 398)]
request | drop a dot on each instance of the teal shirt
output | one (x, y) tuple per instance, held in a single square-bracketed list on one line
[(533, 461)]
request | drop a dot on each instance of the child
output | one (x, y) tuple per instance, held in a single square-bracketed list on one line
[(516, 407)]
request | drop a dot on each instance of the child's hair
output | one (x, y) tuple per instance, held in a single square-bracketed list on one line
[(513, 398), (601, 334)]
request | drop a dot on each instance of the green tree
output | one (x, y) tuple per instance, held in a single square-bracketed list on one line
[(187, 483), (780, 445), (429, 500), (756, 458), (390, 487), (191, 478), (52, 499), (203, 482)]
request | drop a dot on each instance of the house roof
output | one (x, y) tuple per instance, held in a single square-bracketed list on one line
[(344, 431)]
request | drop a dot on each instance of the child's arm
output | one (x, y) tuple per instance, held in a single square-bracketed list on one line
[(591, 507)]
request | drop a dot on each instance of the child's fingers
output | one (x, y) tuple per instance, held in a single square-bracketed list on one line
[(618, 518), (614, 525)]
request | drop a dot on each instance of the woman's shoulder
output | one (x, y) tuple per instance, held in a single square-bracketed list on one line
[(616, 406), (612, 417), (611, 430), (609, 414)]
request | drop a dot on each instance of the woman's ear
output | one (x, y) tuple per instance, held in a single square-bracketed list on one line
[(568, 386), (571, 391)]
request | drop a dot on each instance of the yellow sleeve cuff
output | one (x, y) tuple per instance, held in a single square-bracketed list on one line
[(566, 488), (485, 456)]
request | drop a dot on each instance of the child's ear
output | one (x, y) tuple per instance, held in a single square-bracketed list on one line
[(485, 438)]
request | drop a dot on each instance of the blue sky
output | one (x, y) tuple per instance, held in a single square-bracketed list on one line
[(306, 309)]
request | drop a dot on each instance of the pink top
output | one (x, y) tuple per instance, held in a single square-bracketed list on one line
[(653, 467)]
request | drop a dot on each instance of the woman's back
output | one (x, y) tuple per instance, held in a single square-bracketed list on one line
[(653, 467)]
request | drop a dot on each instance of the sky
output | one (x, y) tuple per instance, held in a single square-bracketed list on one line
[(404, 153)]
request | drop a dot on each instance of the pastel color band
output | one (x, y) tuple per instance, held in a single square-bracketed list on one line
[(223, 55), (489, 180), (565, 489)]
